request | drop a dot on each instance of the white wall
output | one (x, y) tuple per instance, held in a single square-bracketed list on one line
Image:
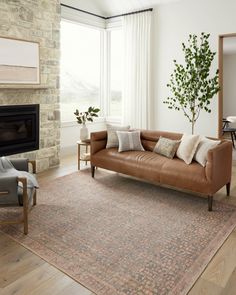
[(77, 16), (173, 23), (70, 133), (88, 5), (229, 100)]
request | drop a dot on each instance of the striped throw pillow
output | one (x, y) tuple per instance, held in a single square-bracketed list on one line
[(129, 141)]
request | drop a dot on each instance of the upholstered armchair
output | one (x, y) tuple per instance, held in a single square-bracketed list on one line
[(12, 195)]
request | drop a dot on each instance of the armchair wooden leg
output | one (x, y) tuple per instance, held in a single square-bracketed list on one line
[(228, 189), (26, 220), (210, 201), (92, 171), (35, 198), (25, 206)]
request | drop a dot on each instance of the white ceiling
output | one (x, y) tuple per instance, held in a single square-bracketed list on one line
[(113, 7), (229, 45)]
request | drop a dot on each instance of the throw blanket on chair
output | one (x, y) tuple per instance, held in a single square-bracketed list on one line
[(7, 169)]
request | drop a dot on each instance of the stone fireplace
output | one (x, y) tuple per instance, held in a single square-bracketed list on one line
[(37, 21)]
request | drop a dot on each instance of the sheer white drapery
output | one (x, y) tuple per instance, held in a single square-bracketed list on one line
[(136, 85)]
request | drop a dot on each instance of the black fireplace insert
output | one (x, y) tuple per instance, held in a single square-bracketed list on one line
[(19, 129)]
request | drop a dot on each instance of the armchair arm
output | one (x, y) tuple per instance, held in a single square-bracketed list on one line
[(98, 141), (219, 165), (23, 164), (20, 164), (23, 180), (8, 190), (33, 164)]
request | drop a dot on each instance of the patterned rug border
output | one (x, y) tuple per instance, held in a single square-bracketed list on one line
[(183, 287), (210, 252)]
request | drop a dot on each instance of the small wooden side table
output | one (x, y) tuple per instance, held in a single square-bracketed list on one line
[(85, 143)]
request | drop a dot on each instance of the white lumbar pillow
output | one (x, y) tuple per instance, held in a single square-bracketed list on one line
[(204, 146), (188, 147)]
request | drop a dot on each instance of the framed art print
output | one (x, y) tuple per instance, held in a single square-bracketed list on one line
[(19, 61)]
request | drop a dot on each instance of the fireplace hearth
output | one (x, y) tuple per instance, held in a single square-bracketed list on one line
[(19, 129)]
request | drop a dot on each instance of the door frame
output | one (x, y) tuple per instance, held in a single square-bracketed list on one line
[(221, 81)]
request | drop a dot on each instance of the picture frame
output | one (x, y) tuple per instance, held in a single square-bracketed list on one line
[(19, 61)]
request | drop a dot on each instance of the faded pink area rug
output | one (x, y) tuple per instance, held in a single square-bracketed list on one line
[(116, 235)]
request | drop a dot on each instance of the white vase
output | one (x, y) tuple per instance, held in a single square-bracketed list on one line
[(83, 132)]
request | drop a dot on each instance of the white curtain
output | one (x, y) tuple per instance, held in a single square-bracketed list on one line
[(136, 84)]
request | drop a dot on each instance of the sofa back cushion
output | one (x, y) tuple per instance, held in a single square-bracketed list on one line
[(149, 138)]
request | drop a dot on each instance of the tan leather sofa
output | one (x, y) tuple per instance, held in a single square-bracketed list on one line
[(171, 172)]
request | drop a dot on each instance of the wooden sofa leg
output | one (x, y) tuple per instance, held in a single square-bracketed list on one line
[(210, 201), (228, 188), (92, 171)]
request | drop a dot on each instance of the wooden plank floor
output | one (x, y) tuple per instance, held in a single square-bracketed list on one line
[(24, 273)]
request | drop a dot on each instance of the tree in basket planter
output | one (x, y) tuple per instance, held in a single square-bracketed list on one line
[(83, 118), (191, 85)]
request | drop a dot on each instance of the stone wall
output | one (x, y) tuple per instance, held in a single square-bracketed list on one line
[(37, 20)]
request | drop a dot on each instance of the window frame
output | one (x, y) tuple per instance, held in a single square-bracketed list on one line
[(109, 118)]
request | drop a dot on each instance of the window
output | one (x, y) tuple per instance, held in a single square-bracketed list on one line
[(116, 72), (80, 68), (91, 70)]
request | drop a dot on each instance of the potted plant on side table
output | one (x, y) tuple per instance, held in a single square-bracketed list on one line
[(83, 118)]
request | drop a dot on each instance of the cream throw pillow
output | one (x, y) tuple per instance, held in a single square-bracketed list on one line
[(112, 139), (188, 147), (129, 141), (204, 146)]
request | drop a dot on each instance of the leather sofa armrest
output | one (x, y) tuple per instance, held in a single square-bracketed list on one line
[(98, 141), (219, 164)]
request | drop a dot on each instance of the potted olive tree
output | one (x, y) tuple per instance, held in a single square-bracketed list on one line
[(191, 85), (83, 118)]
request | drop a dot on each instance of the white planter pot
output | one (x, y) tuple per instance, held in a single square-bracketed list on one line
[(83, 132)]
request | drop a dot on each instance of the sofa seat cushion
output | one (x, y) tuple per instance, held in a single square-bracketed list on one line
[(141, 164), (191, 177)]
